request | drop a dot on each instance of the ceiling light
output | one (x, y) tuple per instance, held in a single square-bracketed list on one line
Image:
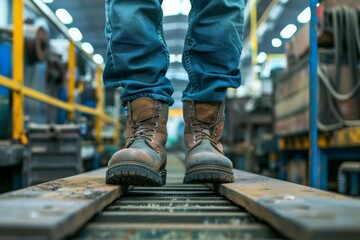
[(304, 16), (261, 58), (47, 1), (98, 59), (64, 16), (87, 47), (288, 31), (185, 7), (171, 7), (75, 34), (284, 1), (276, 42)]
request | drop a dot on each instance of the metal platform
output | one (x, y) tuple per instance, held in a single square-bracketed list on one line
[(254, 207)]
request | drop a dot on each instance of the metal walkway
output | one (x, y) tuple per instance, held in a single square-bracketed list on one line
[(175, 211), (84, 207)]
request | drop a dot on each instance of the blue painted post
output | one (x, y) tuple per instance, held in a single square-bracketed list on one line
[(314, 165)]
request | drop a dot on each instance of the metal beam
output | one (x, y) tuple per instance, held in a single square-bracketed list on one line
[(100, 104), (18, 71), (57, 209), (34, 94), (71, 80), (298, 212), (314, 162)]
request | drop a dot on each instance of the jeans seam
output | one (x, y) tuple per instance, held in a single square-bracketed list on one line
[(110, 40), (165, 50), (187, 49)]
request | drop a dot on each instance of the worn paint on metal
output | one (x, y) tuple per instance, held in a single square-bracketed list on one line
[(297, 211)]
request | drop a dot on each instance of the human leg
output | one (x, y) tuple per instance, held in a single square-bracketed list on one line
[(137, 60), (211, 57), (137, 56)]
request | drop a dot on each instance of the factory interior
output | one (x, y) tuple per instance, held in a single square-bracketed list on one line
[(291, 130)]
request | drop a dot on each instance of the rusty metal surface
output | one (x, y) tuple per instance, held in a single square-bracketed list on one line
[(175, 211), (187, 218), (297, 211), (58, 209), (55, 209)]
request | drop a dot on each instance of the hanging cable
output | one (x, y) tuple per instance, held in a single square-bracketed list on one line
[(345, 24)]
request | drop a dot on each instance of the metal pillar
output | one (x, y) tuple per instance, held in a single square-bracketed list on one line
[(71, 80), (18, 71), (315, 165), (100, 105), (253, 33)]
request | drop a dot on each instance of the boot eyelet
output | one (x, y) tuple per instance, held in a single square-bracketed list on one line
[(158, 116), (156, 124)]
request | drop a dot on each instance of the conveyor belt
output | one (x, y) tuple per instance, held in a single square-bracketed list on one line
[(175, 211)]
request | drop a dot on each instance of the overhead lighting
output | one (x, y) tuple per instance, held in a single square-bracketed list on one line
[(75, 34), (284, 1), (64, 16), (87, 47), (175, 58), (304, 16), (171, 8), (185, 7), (276, 42), (98, 59), (47, 1), (261, 58), (288, 31), (176, 7)]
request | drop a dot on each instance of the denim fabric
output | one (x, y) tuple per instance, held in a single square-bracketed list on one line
[(138, 58)]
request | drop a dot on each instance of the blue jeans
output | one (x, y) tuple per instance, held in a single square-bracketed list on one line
[(138, 58)]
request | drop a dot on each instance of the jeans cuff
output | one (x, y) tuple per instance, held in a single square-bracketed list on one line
[(167, 100)]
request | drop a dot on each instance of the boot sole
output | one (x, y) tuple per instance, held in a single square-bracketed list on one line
[(209, 174), (135, 175)]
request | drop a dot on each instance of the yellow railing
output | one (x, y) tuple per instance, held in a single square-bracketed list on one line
[(19, 90)]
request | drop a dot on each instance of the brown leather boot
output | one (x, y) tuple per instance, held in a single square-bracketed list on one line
[(143, 160), (205, 161)]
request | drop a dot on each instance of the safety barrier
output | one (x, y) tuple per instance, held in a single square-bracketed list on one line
[(16, 85)]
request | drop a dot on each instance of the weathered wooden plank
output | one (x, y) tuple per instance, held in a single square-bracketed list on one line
[(56, 209), (297, 211)]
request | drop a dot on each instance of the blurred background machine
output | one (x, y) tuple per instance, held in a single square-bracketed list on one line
[(50, 82), (63, 122), (267, 128)]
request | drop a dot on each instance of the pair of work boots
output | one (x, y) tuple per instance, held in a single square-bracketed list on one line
[(143, 160)]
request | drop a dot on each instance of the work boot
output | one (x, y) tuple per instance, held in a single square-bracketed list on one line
[(143, 160), (205, 161)]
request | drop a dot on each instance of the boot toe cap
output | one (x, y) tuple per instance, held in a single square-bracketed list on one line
[(209, 159), (131, 156)]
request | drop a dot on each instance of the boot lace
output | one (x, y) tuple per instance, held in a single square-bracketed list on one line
[(144, 129), (203, 130)]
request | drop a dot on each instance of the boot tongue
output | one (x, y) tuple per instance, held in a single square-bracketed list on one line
[(207, 111), (142, 109)]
